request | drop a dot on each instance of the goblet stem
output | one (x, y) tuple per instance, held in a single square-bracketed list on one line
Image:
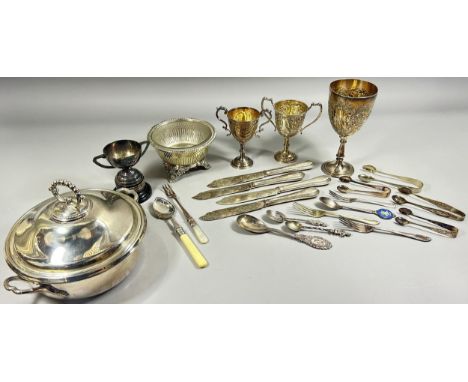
[(242, 152), (341, 152), (338, 167), (286, 145)]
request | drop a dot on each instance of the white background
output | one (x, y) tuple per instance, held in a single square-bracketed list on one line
[(199, 342)]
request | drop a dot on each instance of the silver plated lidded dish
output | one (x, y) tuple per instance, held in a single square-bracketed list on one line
[(75, 245), (182, 144)]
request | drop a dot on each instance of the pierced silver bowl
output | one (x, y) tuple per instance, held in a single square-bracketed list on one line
[(182, 144)]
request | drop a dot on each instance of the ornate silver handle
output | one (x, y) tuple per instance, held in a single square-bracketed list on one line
[(298, 185), (260, 127), (317, 117), (290, 177), (266, 112), (308, 193), (61, 182), (316, 242), (442, 205), (225, 125), (444, 214), (441, 231), (331, 231)]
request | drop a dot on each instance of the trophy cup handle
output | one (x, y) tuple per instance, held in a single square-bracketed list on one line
[(266, 112), (317, 117), (95, 160), (146, 148), (225, 126), (260, 128)]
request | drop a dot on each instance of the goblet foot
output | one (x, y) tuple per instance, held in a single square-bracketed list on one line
[(285, 156), (241, 162), (337, 169)]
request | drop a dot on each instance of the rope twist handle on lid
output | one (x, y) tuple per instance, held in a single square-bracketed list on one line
[(68, 200)]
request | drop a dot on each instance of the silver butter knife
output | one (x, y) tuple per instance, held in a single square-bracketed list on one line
[(308, 193), (292, 177), (233, 180), (318, 181)]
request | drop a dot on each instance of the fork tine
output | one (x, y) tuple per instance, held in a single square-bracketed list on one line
[(344, 221), (301, 207), (166, 190), (347, 222)]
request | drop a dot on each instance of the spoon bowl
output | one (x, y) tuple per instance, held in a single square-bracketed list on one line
[(276, 216), (406, 190), (343, 189), (399, 199), (345, 179), (330, 203), (366, 178), (163, 208), (405, 211), (252, 224), (370, 168), (402, 221), (294, 226)]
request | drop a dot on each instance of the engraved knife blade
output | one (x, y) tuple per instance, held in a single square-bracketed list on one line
[(249, 196), (308, 193), (233, 180), (291, 177)]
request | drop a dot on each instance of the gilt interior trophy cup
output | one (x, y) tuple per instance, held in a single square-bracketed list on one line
[(243, 123), (289, 118), (349, 105), (125, 154)]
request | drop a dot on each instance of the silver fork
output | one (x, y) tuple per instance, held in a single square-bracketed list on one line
[(301, 209), (365, 228), (351, 200), (199, 234)]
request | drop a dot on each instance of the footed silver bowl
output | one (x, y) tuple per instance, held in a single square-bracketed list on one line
[(182, 144)]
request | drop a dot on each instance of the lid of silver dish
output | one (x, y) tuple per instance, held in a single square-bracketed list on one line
[(74, 235)]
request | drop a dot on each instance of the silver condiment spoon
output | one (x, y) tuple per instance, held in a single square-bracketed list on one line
[(252, 224), (297, 227), (402, 221), (382, 213), (279, 217), (401, 200), (408, 212)]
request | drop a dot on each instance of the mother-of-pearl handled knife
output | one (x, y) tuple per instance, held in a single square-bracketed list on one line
[(232, 180), (318, 181), (292, 177), (308, 193)]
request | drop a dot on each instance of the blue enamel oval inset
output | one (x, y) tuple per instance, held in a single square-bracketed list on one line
[(385, 214)]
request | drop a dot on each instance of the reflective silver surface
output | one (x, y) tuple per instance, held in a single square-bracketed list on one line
[(42, 249)]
